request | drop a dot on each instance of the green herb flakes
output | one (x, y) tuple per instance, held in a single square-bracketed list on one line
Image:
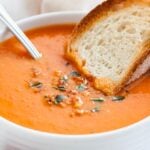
[(60, 88), (75, 74), (81, 88), (118, 98), (59, 99), (101, 99), (36, 84)]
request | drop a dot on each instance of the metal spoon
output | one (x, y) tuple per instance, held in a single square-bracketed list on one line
[(8, 21)]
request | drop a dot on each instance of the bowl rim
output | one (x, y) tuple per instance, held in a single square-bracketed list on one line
[(26, 130)]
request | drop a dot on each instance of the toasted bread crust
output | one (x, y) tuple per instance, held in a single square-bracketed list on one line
[(102, 11), (111, 88), (108, 86)]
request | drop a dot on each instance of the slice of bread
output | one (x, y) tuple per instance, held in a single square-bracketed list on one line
[(111, 42), (141, 69)]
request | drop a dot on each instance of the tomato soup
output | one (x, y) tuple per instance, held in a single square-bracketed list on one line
[(51, 95)]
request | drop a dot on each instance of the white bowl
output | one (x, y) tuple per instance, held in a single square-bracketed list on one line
[(16, 137)]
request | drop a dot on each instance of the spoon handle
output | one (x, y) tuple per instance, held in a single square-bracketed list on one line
[(8, 21)]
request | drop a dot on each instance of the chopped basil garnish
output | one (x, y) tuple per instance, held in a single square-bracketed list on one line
[(75, 74), (118, 98), (101, 99), (81, 88), (59, 99), (36, 84)]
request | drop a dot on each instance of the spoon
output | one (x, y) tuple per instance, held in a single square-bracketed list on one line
[(8, 21)]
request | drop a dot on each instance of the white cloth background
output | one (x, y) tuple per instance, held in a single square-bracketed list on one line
[(24, 8)]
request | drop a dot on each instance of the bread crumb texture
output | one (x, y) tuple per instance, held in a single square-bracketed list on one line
[(113, 43)]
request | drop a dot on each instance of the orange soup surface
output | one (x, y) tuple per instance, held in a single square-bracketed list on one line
[(51, 95)]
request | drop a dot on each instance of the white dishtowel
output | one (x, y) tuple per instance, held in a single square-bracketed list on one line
[(19, 9), (67, 5)]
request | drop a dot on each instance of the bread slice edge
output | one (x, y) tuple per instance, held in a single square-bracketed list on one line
[(106, 85)]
